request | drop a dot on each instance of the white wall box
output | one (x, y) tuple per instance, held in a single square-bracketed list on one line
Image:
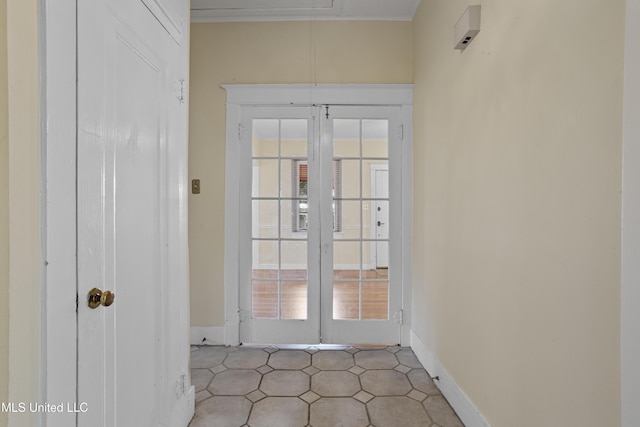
[(467, 27)]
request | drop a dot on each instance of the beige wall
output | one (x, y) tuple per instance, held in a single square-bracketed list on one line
[(24, 207), (4, 215), (278, 52), (517, 207)]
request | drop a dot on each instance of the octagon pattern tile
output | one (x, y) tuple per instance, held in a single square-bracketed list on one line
[(234, 382), (397, 411), (343, 411), (333, 360), (290, 359), (376, 359), (279, 412), (246, 359), (385, 383), (335, 383), (285, 383)]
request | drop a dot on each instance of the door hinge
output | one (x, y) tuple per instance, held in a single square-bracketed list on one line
[(182, 91), (77, 302), (181, 385), (401, 132), (240, 131), (398, 316)]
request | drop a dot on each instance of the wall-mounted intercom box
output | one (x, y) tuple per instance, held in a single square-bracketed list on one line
[(467, 27)]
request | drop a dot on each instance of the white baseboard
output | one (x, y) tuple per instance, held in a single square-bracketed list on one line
[(459, 401), (212, 335)]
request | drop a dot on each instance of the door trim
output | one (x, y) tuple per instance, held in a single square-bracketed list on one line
[(238, 96), (630, 235), (58, 76)]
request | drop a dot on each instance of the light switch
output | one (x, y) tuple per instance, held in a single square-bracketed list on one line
[(195, 186)]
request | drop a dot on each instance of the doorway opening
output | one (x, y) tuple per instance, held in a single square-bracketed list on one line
[(320, 223)]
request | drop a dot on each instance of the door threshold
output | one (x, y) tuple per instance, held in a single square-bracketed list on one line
[(320, 346)]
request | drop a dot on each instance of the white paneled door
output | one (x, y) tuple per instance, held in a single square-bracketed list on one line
[(132, 348), (308, 270)]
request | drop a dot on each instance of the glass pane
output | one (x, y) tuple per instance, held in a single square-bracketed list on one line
[(265, 219), (265, 259), (346, 300), (346, 138), (293, 302), (350, 219), (264, 298), (375, 138), (375, 181), (287, 178), (265, 178), (294, 178), (380, 218), (294, 259), (293, 215), (265, 137), (375, 300), (346, 260), (350, 178), (381, 256), (294, 138)]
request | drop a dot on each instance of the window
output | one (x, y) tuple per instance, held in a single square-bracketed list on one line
[(300, 179)]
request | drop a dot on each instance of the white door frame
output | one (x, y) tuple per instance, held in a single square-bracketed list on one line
[(59, 340), (400, 95), (630, 287)]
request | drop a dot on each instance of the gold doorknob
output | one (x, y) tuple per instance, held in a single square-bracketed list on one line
[(96, 298)]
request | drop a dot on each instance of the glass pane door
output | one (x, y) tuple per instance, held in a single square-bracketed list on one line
[(319, 246), (278, 305), (357, 276), (279, 219)]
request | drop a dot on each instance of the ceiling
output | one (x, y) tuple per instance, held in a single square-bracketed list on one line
[(294, 10)]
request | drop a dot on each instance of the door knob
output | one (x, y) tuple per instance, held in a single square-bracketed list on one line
[(96, 298), (380, 223)]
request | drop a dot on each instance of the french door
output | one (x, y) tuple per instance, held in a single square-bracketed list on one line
[(319, 241)]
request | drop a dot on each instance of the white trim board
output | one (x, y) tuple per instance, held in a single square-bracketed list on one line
[(279, 10), (333, 94), (630, 286), (459, 401), (207, 335), (58, 62)]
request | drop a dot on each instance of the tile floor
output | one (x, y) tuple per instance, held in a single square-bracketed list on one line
[(315, 386)]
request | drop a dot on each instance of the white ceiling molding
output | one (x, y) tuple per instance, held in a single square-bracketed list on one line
[(301, 10)]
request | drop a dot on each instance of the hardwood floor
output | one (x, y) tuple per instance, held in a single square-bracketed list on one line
[(348, 287)]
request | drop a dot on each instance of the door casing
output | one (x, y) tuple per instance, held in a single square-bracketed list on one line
[(238, 96)]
